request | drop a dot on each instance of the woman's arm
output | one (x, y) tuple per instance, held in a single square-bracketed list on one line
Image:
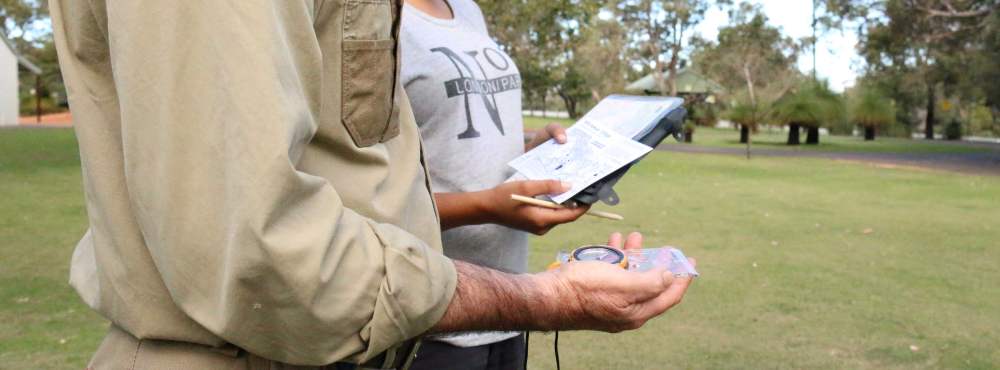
[(495, 206), (460, 209)]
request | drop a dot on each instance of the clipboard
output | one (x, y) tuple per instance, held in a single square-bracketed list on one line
[(670, 123)]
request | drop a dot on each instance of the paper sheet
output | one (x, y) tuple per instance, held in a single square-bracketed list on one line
[(590, 153), (598, 144)]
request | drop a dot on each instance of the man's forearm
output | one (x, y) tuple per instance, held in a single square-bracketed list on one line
[(584, 295), (487, 299)]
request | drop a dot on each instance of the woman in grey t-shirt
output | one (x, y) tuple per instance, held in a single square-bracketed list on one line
[(466, 97)]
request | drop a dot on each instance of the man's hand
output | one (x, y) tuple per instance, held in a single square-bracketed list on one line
[(605, 297), (578, 295), (551, 131), (534, 219)]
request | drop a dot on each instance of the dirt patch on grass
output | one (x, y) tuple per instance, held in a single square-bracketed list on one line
[(63, 119)]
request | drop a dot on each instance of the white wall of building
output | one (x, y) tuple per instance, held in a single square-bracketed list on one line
[(8, 86)]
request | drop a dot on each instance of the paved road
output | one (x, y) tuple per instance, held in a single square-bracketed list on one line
[(981, 163)]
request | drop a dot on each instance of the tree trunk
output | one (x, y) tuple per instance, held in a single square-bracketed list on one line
[(570, 103), (812, 135), (531, 103), (750, 88), (929, 123), (653, 45), (545, 106), (38, 99), (672, 68), (793, 134), (688, 136), (869, 133), (661, 81), (744, 134)]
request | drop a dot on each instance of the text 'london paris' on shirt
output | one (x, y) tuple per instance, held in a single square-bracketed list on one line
[(466, 97)]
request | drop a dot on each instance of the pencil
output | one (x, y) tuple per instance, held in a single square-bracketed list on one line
[(551, 205)]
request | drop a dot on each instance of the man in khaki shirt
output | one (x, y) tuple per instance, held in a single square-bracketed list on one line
[(257, 197)]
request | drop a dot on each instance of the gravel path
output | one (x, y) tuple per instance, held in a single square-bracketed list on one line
[(980, 163)]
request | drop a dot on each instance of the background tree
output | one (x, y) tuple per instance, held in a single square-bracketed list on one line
[(870, 109), (658, 32), (753, 61), (539, 36), (932, 41), (745, 116), (810, 105), (25, 24), (977, 90), (834, 109), (572, 87), (601, 57), (16, 17), (987, 68)]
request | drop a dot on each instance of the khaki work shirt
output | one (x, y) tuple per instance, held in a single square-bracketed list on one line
[(253, 175)]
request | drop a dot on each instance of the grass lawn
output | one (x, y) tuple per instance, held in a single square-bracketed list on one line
[(806, 263), (42, 323), (775, 139)]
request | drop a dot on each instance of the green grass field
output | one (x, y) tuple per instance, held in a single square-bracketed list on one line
[(806, 263), (42, 323)]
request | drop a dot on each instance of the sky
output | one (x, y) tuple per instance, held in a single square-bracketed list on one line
[(836, 55)]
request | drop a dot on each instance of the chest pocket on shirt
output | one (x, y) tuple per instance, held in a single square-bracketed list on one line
[(371, 62)]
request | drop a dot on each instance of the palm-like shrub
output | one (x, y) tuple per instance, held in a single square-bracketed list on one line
[(746, 116), (811, 105), (871, 109), (704, 114)]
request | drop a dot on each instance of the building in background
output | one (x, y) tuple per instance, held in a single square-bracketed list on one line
[(10, 61), (688, 82)]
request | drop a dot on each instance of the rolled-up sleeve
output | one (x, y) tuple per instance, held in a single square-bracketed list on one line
[(217, 100)]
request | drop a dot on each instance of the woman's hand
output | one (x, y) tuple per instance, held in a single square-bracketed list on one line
[(494, 206), (534, 219), (551, 131)]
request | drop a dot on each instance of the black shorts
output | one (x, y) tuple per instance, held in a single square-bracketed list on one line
[(505, 355)]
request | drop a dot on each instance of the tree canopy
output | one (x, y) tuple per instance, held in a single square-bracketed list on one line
[(924, 51), (753, 60), (811, 104), (935, 59)]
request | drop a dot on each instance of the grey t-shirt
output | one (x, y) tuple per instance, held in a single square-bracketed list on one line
[(466, 97)]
